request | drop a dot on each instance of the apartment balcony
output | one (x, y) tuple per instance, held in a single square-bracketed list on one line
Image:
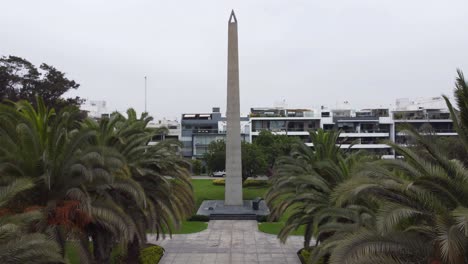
[(421, 117), (290, 131), (438, 132), (207, 131), (365, 146), (365, 133), (266, 115), (359, 146)]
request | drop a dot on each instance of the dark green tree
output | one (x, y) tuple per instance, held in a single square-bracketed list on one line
[(274, 146), (253, 159), (197, 167), (21, 80), (215, 157)]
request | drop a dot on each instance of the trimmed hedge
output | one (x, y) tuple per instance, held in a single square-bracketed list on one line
[(247, 183), (199, 218), (151, 254), (220, 182), (304, 255)]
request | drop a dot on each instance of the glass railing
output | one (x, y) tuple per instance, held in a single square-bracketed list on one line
[(421, 117), (374, 131), (445, 130), (365, 131), (207, 131), (266, 115), (284, 130)]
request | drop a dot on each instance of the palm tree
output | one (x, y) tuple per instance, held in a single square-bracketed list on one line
[(460, 115), (423, 201), (155, 187), (17, 243), (304, 181), (52, 150), (101, 179)]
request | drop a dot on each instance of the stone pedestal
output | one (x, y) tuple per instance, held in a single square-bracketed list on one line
[(218, 210)]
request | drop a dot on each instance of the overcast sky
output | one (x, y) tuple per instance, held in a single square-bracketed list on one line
[(308, 53)]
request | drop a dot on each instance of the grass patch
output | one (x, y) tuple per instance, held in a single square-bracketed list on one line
[(71, 253), (275, 227), (205, 190), (189, 227)]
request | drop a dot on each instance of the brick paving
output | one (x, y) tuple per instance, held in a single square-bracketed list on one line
[(229, 242)]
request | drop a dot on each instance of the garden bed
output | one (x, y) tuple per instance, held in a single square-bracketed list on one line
[(304, 253)]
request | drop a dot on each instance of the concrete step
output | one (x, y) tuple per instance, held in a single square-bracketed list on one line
[(233, 217)]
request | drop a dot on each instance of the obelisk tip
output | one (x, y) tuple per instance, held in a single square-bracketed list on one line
[(232, 18)]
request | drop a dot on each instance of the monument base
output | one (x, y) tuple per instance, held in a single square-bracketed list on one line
[(217, 210)]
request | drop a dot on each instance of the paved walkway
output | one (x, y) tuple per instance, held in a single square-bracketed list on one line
[(229, 242)]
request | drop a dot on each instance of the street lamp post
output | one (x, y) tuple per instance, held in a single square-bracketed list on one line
[(145, 96)]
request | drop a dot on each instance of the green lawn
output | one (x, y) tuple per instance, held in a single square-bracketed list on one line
[(275, 227), (189, 227), (72, 253), (205, 190)]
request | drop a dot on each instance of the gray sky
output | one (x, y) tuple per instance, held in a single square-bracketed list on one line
[(309, 53)]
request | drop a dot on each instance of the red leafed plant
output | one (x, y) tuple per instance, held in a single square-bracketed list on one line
[(4, 211), (69, 214)]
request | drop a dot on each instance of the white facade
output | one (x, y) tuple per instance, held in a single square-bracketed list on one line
[(366, 129), (173, 130), (95, 108)]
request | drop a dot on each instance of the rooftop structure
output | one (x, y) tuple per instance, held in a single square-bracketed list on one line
[(95, 109)]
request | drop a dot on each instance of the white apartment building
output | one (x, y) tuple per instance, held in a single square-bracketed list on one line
[(424, 114), (282, 121), (365, 129), (173, 130)]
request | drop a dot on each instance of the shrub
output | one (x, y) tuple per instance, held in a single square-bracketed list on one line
[(220, 182), (118, 255), (197, 167), (305, 254), (151, 254), (254, 183), (247, 183), (199, 218)]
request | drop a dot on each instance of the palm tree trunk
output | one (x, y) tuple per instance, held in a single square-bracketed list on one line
[(102, 245), (133, 251)]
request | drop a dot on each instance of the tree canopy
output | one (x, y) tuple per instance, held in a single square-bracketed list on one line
[(21, 80), (253, 159), (85, 181)]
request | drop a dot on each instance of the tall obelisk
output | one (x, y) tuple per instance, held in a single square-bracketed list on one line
[(233, 194)]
